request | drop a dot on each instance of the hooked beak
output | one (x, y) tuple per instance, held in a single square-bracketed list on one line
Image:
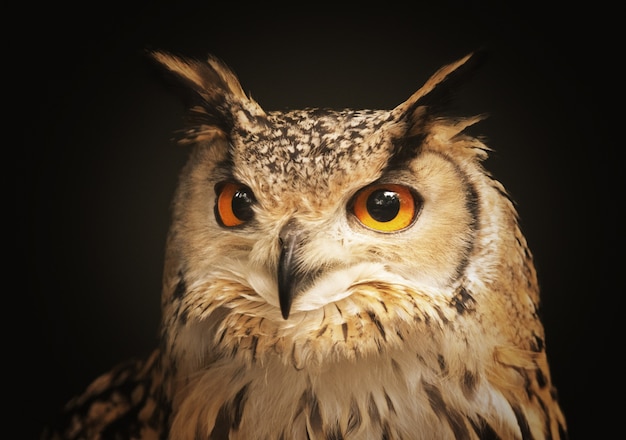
[(288, 274)]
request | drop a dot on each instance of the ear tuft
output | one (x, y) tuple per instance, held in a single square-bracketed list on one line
[(220, 102), (435, 92)]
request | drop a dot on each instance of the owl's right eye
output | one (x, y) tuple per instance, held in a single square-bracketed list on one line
[(233, 206)]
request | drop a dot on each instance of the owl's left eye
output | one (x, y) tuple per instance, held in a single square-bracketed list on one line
[(233, 206), (385, 207)]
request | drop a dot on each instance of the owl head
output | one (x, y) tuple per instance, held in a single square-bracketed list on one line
[(320, 235)]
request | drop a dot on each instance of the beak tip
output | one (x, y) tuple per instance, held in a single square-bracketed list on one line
[(285, 309)]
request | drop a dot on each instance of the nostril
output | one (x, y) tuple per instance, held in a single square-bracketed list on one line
[(289, 230)]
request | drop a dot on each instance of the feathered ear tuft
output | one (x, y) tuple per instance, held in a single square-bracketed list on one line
[(221, 103), (435, 92), (423, 116)]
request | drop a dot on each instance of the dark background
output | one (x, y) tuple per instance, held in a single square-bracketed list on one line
[(96, 166)]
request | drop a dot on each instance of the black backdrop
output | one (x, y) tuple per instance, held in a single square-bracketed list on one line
[(97, 167)]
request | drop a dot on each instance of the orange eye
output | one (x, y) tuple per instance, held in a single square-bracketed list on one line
[(385, 207), (233, 206)]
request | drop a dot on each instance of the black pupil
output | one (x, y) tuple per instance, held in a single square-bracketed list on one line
[(242, 204), (383, 205)]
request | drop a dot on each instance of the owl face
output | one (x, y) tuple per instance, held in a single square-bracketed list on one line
[(288, 224), (312, 203)]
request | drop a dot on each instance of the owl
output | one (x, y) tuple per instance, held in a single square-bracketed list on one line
[(333, 274)]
